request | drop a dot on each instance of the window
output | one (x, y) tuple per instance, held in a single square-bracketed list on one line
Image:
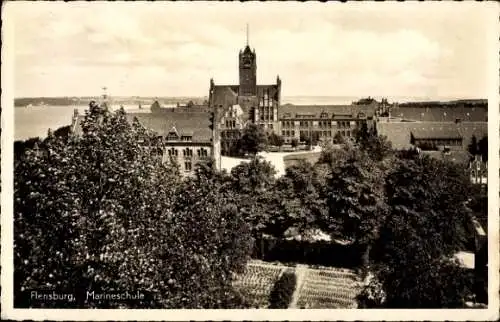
[(186, 138), (188, 166), (172, 136), (202, 153), (270, 126), (283, 132), (188, 152), (172, 152), (293, 133)]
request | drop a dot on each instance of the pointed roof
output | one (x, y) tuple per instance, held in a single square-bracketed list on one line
[(247, 50)]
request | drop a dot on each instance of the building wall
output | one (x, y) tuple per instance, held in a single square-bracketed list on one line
[(186, 155), (323, 129)]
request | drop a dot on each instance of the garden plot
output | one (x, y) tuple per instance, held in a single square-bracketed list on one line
[(332, 289), (257, 282)]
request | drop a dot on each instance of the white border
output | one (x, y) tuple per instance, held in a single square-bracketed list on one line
[(7, 136)]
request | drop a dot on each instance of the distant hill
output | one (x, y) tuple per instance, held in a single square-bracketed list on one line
[(455, 103), (85, 100)]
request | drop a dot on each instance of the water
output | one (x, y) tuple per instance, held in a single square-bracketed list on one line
[(36, 120)]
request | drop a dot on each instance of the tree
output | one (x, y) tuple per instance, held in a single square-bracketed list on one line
[(253, 182), (473, 146), (377, 147), (275, 139), (253, 139), (338, 138), (100, 212), (427, 199), (301, 201), (483, 148), (356, 198), (294, 143)]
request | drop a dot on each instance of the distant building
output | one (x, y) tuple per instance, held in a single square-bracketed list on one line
[(186, 137), (405, 135), (441, 138), (478, 170)]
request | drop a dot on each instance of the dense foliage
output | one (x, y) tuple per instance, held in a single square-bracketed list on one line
[(281, 295), (479, 147), (101, 212), (253, 139)]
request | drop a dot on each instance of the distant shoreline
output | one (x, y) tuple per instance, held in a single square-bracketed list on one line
[(292, 100)]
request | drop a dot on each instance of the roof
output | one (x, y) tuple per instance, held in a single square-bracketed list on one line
[(225, 95), (330, 111), (399, 133), (438, 132), (442, 114), (247, 50), (195, 124)]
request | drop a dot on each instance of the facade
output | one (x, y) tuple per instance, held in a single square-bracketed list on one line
[(323, 122), (441, 138)]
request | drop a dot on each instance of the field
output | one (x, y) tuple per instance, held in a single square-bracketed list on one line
[(257, 282), (316, 288), (328, 289)]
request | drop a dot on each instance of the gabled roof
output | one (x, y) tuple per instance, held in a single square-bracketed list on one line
[(194, 124)]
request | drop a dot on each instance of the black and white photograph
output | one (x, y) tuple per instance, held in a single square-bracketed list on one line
[(329, 160)]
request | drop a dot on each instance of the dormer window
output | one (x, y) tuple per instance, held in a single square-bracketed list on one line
[(186, 138), (324, 115), (172, 136)]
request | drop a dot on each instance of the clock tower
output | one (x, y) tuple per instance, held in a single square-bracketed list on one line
[(248, 71)]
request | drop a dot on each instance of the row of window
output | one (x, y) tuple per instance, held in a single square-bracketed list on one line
[(230, 124), (303, 134), (269, 125), (288, 133), (187, 152), (230, 134), (175, 137), (322, 124)]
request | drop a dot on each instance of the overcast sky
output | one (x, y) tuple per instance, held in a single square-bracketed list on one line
[(327, 49)]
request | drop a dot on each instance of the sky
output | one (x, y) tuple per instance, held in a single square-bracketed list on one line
[(318, 49)]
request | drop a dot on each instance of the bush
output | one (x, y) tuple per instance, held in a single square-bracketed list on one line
[(281, 295)]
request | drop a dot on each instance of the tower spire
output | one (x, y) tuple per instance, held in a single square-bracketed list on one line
[(247, 34)]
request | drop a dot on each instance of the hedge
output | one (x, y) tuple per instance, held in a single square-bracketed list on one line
[(281, 295)]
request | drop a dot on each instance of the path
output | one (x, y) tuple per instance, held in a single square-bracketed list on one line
[(300, 273)]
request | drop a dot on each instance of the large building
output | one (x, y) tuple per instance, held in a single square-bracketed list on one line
[(236, 105), (247, 102)]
